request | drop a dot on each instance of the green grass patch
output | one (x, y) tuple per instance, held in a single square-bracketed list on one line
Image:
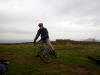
[(70, 57)]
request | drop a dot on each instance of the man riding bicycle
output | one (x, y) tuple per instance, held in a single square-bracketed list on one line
[(44, 38)]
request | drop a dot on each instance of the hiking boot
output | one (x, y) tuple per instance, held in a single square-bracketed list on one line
[(37, 55), (54, 53)]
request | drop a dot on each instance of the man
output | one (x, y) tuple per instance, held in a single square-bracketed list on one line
[(44, 38)]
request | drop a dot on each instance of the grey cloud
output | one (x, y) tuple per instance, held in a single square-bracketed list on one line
[(65, 16), (78, 9)]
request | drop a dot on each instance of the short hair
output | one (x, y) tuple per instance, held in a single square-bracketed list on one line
[(40, 24)]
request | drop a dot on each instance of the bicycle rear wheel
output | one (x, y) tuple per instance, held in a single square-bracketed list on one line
[(44, 55)]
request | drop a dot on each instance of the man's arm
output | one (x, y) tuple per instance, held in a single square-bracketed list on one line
[(37, 35), (46, 31)]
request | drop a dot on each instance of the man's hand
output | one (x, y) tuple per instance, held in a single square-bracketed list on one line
[(34, 43)]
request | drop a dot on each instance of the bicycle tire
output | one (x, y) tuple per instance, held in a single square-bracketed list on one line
[(44, 55)]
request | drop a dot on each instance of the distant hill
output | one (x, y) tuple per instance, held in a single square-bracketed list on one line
[(15, 41), (91, 40)]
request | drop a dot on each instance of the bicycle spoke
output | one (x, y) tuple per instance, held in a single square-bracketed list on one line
[(44, 55)]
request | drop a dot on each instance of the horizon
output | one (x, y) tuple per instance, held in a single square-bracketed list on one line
[(25, 41)]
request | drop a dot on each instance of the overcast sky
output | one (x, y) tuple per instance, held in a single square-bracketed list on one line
[(64, 19)]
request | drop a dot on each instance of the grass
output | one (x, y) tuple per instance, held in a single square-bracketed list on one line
[(72, 60)]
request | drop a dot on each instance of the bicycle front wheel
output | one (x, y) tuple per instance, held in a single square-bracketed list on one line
[(45, 56)]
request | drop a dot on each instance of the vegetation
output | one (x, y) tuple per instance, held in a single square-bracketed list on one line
[(72, 60)]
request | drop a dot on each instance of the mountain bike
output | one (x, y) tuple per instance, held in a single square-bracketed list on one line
[(44, 53)]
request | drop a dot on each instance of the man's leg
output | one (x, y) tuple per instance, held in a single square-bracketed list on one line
[(49, 44), (51, 47)]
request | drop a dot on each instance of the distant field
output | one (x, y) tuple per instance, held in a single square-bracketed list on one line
[(72, 60)]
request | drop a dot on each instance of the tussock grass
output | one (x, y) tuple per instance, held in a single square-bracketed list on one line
[(72, 60)]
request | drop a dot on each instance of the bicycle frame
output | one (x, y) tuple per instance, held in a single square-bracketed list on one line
[(43, 53)]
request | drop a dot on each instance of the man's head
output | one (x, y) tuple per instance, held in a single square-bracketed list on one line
[(40, 25)]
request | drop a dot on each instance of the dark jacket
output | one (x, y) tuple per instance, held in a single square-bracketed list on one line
[(44, 34)]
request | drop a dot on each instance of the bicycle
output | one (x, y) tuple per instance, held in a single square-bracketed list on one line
[(44, 53)]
